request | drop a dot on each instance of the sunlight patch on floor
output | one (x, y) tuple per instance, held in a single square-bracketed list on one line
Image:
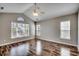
[(65, 51), (38, 48)]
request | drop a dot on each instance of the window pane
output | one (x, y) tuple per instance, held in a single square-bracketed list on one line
[(65, 29), (38, 30), (65, 34), (19, 30), (33, 30), (13, 30), (65, 25), (26, 29)]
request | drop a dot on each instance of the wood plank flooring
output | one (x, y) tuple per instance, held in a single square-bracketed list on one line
[(38, 48)]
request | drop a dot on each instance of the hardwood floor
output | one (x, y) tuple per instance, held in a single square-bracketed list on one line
[(54, 49), (38, 48)]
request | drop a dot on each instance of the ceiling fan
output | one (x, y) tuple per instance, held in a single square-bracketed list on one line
[(37, 11)]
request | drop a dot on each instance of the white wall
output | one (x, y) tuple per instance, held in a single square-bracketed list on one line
[(50, 29), (5, 27)]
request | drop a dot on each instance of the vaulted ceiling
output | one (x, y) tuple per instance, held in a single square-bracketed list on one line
[(50, 10)]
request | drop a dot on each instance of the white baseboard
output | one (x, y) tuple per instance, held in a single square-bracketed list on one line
[(61, 42)]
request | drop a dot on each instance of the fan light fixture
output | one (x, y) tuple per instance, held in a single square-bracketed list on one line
[(35, 13), (36, 10)]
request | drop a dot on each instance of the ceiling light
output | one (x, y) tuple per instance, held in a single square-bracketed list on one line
[(35, 13)]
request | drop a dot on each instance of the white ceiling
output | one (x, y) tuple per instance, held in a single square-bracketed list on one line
[(50, 10), (14, 7)]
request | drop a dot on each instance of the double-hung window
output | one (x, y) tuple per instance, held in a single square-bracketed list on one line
[(65, 29), (38, 30)]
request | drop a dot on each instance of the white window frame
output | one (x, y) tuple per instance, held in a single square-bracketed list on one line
[(65, 26), (38, 29), (20, 30)]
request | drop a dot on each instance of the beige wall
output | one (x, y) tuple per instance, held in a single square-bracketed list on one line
[(50, 29), (5, 27)]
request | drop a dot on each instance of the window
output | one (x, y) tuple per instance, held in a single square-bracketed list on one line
[(19, 30), (65, 29), (33, 29), (38, 30)]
